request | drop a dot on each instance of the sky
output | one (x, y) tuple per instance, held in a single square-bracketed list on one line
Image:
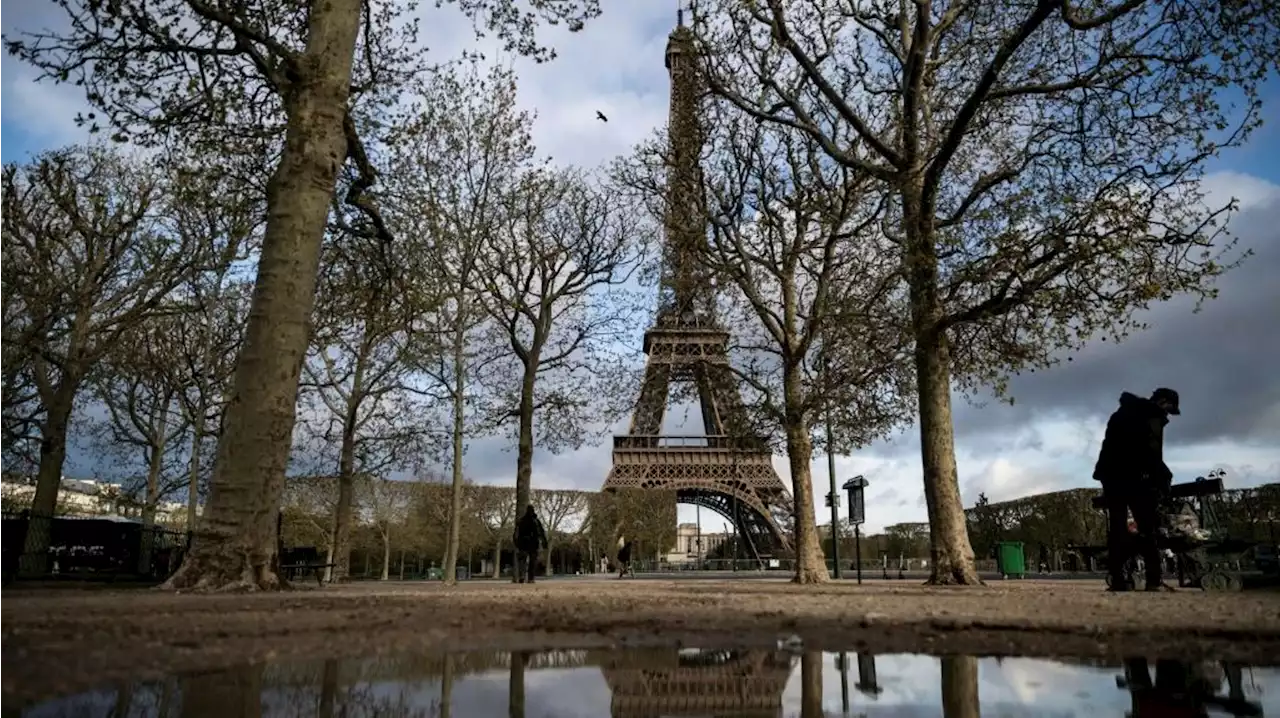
[(1221, 360)]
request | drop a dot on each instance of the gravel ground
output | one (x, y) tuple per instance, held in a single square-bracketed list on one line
[(63, 641)]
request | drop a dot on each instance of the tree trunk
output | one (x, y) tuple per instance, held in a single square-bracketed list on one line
[(328, 689), (218, 694), (53, 455), (524, 451), (386, 555), (340, 546), (446, 687), (497, 558), (459, 423), (193, 470), (811, 566), (951, 552), (547, 570), (953, 560), (960, 687), (155, 464), (236, 546), (515, 685), (811, 685)]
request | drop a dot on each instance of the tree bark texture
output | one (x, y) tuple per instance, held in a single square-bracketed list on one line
[(960, 697), (811, 565), (952, 554), (524, 454), (235, 546), (53, 455)]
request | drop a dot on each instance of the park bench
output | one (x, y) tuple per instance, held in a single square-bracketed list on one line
[(295, 561)]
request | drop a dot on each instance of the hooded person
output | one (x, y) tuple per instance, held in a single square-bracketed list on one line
[(530, 538), (1135, 480)]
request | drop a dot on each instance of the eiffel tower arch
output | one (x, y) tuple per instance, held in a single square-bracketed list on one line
[(727, 468), (692, 682)]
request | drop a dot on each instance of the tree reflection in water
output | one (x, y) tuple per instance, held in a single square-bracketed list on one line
[(960, 687), (811, 685)]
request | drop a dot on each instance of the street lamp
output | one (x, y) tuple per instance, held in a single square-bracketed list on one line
[(856, 487)]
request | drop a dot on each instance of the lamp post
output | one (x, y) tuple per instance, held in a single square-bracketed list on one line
[(833, 498), (856, 488)]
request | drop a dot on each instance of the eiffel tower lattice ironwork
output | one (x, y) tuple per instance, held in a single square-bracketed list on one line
[(728, 469)]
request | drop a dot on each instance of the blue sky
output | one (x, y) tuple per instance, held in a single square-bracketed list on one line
[(616, 67)]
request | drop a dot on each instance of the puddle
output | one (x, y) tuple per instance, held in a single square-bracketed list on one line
[(690, 682)]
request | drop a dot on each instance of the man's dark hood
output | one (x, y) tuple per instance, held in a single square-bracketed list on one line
[(1131, 403)]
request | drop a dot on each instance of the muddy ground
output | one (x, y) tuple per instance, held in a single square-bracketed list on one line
[(62, 641)]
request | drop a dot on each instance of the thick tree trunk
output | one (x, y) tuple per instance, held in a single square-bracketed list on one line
[(193, 468), (497, 558), (459, 424), (236, 545), (547, 565), (811, 565), (960, 687), (950, 549), (811, 685), (951, 552), (53, 455), (524, 453)]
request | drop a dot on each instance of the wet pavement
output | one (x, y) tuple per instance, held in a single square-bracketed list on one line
[(784, 680)]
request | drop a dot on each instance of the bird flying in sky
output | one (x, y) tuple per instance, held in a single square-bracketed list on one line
[(600, 116)]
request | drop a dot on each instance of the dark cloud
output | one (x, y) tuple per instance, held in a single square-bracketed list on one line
[(1222, 360)]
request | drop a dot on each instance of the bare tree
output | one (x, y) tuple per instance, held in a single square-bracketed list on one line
[(1042, 160), (355, 379), (143, 416), (554, 509), (272, 79), (551, 274), (387, 504), (496, 511), (456, 161), (88, 257)]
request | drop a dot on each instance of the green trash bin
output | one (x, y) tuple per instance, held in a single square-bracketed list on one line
[(1011, 560)]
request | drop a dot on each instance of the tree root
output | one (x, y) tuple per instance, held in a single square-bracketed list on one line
[(209, 572)]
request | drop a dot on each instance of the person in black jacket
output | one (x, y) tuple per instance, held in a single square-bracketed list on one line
[(529, 539), (1135, 479)]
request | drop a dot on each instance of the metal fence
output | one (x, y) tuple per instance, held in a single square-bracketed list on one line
[(37, 546)]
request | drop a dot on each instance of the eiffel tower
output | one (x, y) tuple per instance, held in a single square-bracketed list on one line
[(728, 469)]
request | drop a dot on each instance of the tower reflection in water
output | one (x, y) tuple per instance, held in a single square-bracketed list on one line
[(683, 682)]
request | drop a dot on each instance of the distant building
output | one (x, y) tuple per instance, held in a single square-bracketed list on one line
[(86, 497), (692, 545)]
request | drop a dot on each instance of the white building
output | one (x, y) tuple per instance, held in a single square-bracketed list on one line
[(692, 545), (86, 497)]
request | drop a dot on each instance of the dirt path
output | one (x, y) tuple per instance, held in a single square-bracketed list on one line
[(57, 642)]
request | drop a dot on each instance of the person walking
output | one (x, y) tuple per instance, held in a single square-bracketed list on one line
[(624, 557), (529, 539), (1135, 480)]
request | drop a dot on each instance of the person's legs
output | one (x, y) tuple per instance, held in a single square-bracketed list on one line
[(1118, 542), (1146, 517), (532, 563)]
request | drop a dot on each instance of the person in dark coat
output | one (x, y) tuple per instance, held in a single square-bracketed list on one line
[(530, 538), (624, 557), (1135, 479)]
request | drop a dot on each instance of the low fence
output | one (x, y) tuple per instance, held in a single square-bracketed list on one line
[(38, 546)]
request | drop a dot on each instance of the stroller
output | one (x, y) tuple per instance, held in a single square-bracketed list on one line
[(1192, 537)]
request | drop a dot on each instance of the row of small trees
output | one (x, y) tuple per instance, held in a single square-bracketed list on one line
[(899, 200)]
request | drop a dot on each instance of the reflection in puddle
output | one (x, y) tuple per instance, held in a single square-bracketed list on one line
[(683, 682)]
